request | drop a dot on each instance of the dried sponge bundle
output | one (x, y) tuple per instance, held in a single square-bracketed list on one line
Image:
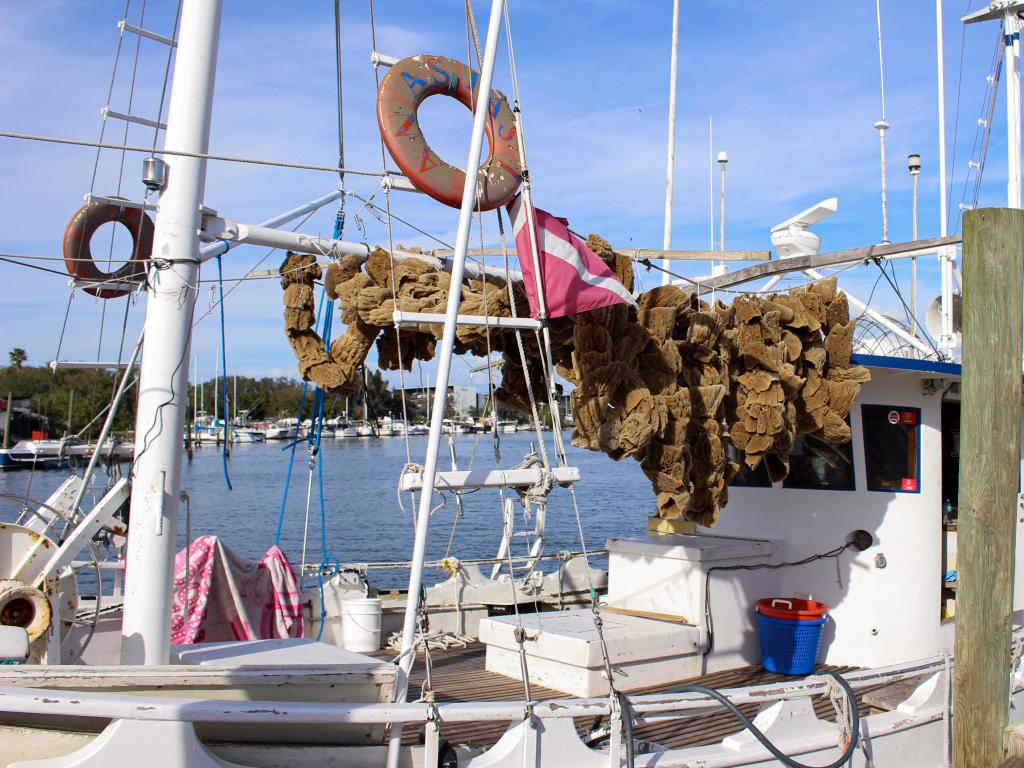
[(678, 385)]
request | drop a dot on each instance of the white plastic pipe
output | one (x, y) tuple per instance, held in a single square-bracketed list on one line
[(444, 359), (215, 228), (213, 250), (671, 162), (163, 380)]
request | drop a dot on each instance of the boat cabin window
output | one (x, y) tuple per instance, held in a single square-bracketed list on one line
[(892, 448), (816, 463)]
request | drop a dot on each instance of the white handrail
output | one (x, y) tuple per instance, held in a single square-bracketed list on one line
[(132, 707)]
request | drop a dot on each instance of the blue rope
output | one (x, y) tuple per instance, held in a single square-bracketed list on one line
[(318, 424), (292, 445), (224, 373)]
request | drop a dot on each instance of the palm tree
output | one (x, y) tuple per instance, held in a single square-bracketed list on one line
[(18, 356)]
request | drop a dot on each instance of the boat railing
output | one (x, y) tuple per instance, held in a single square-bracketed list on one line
[(921, 707), (646, 707), (563, 556)]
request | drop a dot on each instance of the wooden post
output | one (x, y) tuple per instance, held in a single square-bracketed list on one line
[(7, 421), (990, 424)]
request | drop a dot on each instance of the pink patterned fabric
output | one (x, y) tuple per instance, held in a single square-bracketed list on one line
[(574, 278), (230, 598)]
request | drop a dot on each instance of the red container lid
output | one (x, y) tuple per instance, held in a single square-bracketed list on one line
[(792, 608)]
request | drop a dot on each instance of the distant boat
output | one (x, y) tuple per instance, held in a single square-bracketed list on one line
[(44, 454), (281, 431), (248, 435)]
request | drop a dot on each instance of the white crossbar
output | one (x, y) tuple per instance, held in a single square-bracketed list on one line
[(88, 365), (108, 112), (496, 478), (124, 26), (400, 183), (382, 60), (412, 318), (90, 198)]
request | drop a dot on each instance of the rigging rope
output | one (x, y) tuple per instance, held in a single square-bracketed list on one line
[(224, 376), (292, 445), (199, 155)]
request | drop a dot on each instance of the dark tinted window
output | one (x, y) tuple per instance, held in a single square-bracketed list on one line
[(815, 463), (891, 448)]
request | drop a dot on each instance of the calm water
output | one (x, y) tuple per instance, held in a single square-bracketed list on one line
[(363, 519)]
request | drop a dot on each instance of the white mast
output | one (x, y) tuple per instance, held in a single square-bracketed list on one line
[(1011, 32), (670, 170), (444, 359), (941, 66), (163, 380)]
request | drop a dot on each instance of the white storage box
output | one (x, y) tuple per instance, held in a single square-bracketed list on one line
[(665, 574), (564, 651)]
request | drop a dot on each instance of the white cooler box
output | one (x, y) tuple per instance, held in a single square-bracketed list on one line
[(564, 651)]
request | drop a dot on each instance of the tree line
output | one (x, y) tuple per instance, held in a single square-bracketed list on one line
[(88, 392)]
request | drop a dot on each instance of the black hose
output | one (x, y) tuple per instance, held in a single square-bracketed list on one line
[(627, 727), (778, 755)]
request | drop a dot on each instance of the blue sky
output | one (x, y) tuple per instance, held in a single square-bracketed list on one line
[(793, 89)]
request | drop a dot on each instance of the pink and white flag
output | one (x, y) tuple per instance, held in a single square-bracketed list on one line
[(574, 278)]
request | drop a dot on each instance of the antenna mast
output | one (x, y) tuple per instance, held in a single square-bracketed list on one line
[(670, 171), (882, 125)]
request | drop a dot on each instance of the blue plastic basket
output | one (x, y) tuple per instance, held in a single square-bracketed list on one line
[(789, 647)]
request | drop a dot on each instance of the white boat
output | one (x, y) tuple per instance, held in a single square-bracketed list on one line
[(46, 454), (281, 431), (248, 435), (613, 672), (452, 427)]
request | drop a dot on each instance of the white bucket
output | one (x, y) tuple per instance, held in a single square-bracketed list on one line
[(360, 624)]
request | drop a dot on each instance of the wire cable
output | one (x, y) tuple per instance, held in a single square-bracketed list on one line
[(199, 155), (842, 760)]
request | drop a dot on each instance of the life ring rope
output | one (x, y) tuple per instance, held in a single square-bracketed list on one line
[(404, 88)]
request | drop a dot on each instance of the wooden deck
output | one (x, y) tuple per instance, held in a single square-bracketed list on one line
[(459, 675)]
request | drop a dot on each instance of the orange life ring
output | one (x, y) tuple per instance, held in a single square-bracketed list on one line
[(78, 255), (403, 89)]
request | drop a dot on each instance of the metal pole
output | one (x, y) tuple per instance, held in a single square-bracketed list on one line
[(990, 461), (671, 163), (940, 65), (1011, 31), (71, 411), (7, 421), (914, 162), (108, 423), (721, 203), (882, 125), (163, 382), (444, 358)]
